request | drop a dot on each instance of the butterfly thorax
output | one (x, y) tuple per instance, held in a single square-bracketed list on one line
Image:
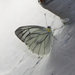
[(49, 28)]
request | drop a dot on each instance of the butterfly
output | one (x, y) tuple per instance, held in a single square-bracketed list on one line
[(39, 39)]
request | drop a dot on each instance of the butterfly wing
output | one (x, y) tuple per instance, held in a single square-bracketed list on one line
[(37, 38)]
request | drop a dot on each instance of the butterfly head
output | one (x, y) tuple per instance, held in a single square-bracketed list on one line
[(49, 28)]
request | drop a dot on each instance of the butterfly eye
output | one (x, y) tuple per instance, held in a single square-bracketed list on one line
[(49, 27)]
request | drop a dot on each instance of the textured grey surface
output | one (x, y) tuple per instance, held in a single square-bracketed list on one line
[(62, 58), (62, 8)]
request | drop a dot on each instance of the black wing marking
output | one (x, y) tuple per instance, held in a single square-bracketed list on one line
[(36, 37), (22, 32), (40, 46)]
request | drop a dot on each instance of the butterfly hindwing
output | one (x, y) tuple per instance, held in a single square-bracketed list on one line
[(36, 37)]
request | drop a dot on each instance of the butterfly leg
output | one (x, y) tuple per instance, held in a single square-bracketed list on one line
[(54, 37), (57, 28), (40, 57)]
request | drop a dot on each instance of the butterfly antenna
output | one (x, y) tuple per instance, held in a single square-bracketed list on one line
[(45, 19)]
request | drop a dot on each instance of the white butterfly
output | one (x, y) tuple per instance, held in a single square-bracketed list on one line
[(38, 39)]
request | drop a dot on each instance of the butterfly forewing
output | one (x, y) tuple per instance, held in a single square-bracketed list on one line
[(36, 37)]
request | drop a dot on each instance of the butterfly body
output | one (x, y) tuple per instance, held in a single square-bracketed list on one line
[(37, 38)]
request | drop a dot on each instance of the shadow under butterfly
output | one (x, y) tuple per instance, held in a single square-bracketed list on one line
[(39, 39)]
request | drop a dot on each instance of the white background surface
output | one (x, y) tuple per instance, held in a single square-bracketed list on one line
[(14, 57)]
